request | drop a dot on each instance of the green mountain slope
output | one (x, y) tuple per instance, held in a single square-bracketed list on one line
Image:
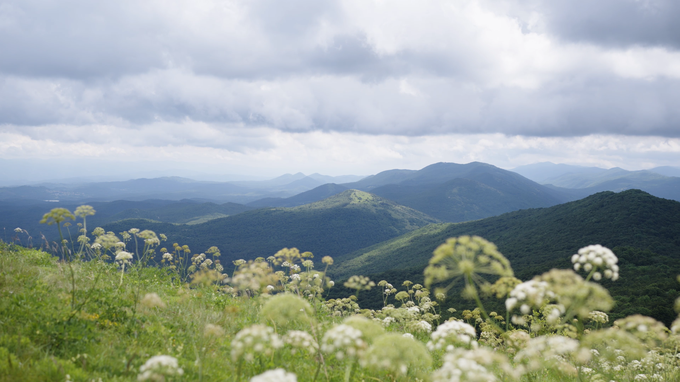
[(183, 212), (478, 196), (337, 225), (643, 230)]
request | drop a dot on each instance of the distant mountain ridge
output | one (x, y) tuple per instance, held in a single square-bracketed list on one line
[(460, 192), (171, 188), (342, 223), (583, 181)]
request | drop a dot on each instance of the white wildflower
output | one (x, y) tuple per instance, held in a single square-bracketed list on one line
[(159, 367), (275, 375), (123, 257), (152, 300), (422, 326), (300, 340), (455, 333), (597, 257), (343, 341), (457, 367), (253, 340)]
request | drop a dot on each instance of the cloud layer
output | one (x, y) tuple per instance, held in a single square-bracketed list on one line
[(542, 68), (339, 83)]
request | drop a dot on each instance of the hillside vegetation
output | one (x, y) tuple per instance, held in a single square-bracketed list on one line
[(107, 314), (643, 229), (337, 225), (461, 192)]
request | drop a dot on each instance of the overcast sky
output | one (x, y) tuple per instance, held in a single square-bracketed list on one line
[(266, 87)]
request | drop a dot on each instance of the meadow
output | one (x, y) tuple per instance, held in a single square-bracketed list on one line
[(131, 306)]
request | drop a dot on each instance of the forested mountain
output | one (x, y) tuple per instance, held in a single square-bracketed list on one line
[(643, 230), (461, 192), (335, 226)]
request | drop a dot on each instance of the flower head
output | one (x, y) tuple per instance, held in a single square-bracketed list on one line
[(359, 283), (275, 375), (455, 333), (56, 216), (343, 341), (152, 300), (123, 257), (466, 257), (158, 367), (284, 309), (253, 340), (299, 340), (397, 354), (460, 365), (369, 328), (595, 258)]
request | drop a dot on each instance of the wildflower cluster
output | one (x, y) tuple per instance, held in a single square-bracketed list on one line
[(300, 341), (596, 258), (466, 257), (453, 334), (557, 332), (359, 283), (254, 340), (343, 341), (276, 375), (158, 368)]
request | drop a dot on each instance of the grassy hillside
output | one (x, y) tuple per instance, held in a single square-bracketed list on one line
[(644, 229), (84, 321), (337, 225)]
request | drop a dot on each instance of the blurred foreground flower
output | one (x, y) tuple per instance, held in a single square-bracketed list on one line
[(276, 375), (596, 258), (159, 367), (467, 257)]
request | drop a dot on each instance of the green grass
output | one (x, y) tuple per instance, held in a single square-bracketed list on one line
[(106, 328)]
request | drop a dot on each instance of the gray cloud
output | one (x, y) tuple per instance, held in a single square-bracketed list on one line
[(408, 69), (615, 22)]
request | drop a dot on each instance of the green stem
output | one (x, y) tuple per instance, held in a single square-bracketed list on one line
[(122, 272), (481, 307), (348, 371)]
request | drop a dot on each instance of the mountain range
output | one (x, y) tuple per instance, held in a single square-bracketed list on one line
[(342, 223), (643, 230), (388, 224), (579, 182), (170, 188)]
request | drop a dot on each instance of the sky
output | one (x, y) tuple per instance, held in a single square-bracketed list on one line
[(259, 88)]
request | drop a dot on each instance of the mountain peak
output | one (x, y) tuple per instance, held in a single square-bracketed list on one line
[(345, 198)]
